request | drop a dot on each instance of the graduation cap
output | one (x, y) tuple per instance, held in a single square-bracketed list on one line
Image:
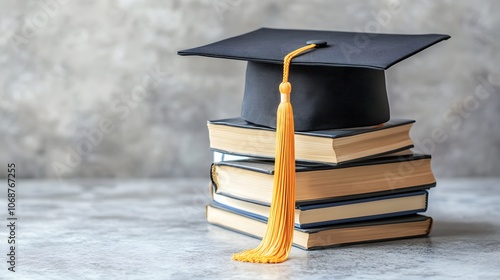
[(337, 82), (337, 86)]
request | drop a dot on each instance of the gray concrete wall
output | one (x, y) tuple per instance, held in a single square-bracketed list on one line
[(69, 68)]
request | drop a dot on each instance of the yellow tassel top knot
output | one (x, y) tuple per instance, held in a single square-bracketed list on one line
[(285, 88)]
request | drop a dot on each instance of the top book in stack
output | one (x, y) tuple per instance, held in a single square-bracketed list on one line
[(332, 146)]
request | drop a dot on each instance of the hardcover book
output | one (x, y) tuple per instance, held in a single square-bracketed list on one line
[(323, 214), (331, 236), (252, 179), (236, 136)]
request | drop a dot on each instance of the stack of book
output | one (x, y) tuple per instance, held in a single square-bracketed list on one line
[(353, 185)]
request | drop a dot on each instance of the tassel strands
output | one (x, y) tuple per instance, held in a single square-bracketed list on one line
[(277, 241)]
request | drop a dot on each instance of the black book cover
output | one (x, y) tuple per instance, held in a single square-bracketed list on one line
[(328, 133)]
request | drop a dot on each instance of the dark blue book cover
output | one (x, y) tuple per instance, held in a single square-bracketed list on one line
[(333, 213)]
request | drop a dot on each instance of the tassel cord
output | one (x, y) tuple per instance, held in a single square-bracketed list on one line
[(277, 241)]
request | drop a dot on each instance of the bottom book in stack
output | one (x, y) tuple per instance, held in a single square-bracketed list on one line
[(367, 201), (330, 236)]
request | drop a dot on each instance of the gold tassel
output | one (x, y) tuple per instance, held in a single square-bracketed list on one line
[(277, 241)]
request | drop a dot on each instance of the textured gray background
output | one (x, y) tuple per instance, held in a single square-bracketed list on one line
[(68, 66)]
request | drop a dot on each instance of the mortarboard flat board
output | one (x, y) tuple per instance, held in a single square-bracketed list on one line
[(337, 86)]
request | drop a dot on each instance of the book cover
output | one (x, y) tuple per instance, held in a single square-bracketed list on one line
[(328, 133), (251, 179), (330, 236), (334, 146), (323, 214)]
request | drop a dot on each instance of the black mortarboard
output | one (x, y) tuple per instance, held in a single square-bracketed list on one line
[(337, 86)]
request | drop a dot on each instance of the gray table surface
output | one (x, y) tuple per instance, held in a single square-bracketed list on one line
[(156, 229)]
